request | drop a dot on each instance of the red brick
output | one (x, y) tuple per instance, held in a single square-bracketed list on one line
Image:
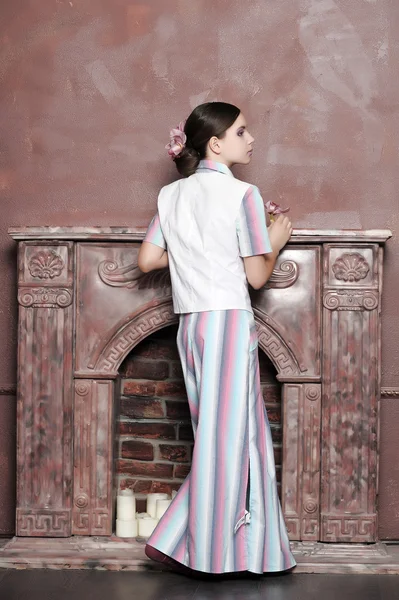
[(171, 389), (142, 408), (152, 431), (279, 490), (271, 393), (135, 468), (148, 369), (161, 487), (278, 454), (139, 486), (267, 369), (174, 453), (177, 410), (186, 432), (176, 370), (138, 388), (277, 435), (274, 413), (137, 450), (176, 485), (149, 486), (155, 349), (181, 471)]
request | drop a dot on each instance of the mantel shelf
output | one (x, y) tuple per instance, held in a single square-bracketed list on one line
[(136, 234)]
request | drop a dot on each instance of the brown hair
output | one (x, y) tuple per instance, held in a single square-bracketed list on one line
[(206, 120)]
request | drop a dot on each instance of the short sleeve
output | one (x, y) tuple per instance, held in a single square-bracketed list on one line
[(253, 238), (154, 233)]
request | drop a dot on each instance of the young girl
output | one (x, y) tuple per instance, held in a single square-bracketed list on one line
[(210, 229)]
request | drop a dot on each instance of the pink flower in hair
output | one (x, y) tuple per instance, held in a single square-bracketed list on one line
[(274, 209), (178, 140)]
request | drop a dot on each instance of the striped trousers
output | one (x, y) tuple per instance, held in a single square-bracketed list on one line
[(226, 516)]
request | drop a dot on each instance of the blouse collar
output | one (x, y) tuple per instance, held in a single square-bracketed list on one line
[(211, 165)]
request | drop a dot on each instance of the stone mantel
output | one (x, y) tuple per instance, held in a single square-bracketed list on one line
[(130, 234), (84, 305)]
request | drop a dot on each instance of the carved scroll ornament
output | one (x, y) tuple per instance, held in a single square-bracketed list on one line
[(45, 297), (130, 276), (349, 300)]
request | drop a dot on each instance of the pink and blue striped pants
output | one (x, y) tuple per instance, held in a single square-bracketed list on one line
[(226, 516)]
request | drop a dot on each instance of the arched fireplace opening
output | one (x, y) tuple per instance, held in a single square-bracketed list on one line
[(153, 432)]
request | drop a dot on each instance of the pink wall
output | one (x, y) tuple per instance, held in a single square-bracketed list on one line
[(89, 90)]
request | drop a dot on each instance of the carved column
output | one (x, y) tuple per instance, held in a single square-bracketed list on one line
[(301, 460), (44, 398), (351, 377), (93, 457)]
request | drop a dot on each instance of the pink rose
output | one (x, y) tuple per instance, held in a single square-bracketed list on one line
[(178, 140), (274, 209)]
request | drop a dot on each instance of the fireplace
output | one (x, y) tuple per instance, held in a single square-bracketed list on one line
[(154, 436), (84, 306)]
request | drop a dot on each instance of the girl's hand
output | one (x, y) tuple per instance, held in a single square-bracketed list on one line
[(280, 232)]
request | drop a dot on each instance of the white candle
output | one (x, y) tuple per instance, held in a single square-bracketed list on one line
[(125, 505), (147, 526), (174, 494), (126, 529), (152, 503), (142, 515), (162, 507)]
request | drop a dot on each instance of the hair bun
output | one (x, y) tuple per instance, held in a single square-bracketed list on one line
[(187, 161)]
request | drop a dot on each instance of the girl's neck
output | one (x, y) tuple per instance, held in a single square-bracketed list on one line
[(219, 159)]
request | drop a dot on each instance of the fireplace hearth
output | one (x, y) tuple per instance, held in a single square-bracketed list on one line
[(84, 305)]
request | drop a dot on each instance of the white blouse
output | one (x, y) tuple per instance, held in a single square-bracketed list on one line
[(208, 222)]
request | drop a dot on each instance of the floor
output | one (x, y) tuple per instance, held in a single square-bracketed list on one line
[(104, 585), (117, 554)]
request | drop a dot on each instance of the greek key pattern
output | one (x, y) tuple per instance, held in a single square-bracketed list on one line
[(360, 529), (100, 519), (44, 523), (279, 353), (81, 523), (335, 300), (293, 525), (125, 339), (45, 297)]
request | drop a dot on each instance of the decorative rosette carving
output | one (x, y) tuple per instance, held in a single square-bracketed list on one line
[(310, 506), (350, 267), (313, 393), (81, 501), (82, 388), (46, 264)]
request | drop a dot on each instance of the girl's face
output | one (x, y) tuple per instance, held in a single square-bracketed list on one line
[(236, 147)]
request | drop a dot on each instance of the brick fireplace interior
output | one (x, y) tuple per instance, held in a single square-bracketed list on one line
[(154, 437)]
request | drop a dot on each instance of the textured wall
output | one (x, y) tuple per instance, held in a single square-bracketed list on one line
[(89, 89)]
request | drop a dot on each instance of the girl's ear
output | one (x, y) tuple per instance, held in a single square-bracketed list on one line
[(214, 145)]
